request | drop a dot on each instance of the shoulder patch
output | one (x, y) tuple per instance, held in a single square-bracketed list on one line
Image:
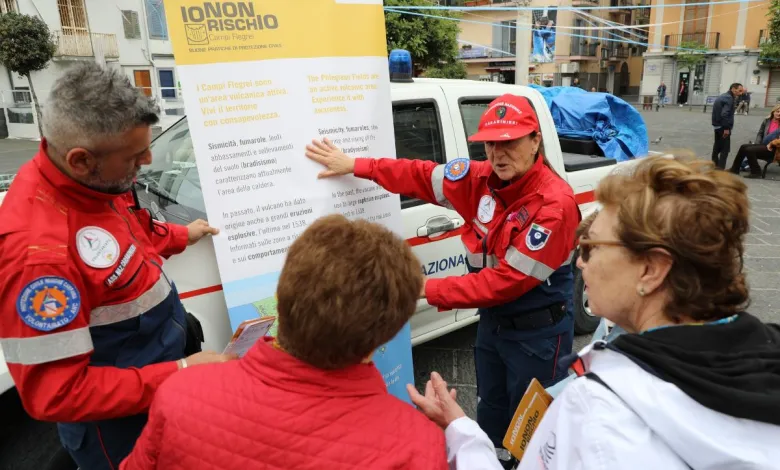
[(537, 237), (48, 303), (97, 247), (457, 169)]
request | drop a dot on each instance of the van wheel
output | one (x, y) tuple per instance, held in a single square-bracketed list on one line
[(585, 322)]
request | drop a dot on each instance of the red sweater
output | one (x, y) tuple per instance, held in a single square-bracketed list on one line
[(272, 411)]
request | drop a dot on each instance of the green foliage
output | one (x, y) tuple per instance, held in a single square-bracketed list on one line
[(774, 21), (26, 44), (691, 54), (455, 69), (770, 50), (432, 42)]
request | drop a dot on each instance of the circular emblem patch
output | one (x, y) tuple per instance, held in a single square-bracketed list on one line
[(501, 112), (97, 247), (457, 169), (48, 303), (487, 206)]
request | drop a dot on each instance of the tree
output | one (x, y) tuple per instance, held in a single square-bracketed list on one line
[(432, 42), (690, 55), (26, 45), (770, 50)]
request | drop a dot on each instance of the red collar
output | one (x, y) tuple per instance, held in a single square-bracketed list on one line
[(281, 370), (69, 191), (528, 183)]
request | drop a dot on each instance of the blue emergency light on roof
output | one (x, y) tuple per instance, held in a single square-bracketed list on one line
[(400, 65)]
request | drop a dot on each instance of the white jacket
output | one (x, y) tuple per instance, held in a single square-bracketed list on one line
[(643, 423)]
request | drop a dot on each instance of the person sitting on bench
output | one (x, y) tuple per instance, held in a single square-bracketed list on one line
[(769, 131)]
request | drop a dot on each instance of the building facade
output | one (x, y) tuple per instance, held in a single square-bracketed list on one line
[(731, 33), (131, 35), (585, 45)]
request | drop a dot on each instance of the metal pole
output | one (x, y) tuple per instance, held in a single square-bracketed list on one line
[(522, 43)]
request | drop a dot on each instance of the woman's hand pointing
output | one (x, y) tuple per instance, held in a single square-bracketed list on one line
[(328, 155)]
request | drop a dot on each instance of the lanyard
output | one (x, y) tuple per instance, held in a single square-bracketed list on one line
[(721, 321)]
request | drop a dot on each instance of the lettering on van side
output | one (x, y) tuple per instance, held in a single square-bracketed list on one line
[(443, 264)]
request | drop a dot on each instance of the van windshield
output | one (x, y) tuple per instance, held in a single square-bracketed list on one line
[(173, 175)]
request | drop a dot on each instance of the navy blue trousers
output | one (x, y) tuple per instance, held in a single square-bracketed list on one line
[(506, 361), (101, 445)]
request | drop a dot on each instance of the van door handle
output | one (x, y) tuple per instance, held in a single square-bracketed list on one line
[(438, 225)]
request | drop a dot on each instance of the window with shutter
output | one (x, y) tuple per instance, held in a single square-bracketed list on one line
[(7, 6), (155, 17), (131, 25), (73, 17)]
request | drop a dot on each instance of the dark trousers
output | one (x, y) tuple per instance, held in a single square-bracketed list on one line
[(720, 149), (753, 153), (101, 445), (505, 366)]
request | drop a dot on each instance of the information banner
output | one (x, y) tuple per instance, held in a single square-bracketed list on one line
[(261, 79)]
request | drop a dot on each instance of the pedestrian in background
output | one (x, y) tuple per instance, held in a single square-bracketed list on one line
[(694, 380), (520, 218), (723, 123), (89, 324), (762, 149), (743, 103), (310, 398), (661, 92)]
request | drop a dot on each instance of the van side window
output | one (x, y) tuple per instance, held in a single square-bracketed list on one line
[(471, 110), (417, 135)]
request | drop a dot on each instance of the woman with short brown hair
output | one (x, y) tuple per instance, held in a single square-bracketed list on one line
[(312, 398), (695, 381)]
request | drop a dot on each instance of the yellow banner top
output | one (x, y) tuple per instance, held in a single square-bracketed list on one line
[(205, 32)]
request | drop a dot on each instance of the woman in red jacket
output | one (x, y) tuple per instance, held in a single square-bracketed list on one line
[(311, 398)]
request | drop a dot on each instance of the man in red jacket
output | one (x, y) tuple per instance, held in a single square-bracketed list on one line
[(311, 399), (89, 323)]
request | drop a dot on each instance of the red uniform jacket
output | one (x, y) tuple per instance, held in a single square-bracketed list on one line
[(270, 410), (521, 232), (75, 264)]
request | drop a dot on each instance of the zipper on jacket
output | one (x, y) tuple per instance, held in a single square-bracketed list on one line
[(132, 234)]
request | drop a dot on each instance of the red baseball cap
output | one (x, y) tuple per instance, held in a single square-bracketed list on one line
[(508, 117)]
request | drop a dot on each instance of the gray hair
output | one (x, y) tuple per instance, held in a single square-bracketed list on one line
[(90, 104)]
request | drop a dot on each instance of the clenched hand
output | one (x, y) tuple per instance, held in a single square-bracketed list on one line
[(328, 155)]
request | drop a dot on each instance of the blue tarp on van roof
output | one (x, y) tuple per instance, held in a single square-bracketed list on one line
[(616, 126)]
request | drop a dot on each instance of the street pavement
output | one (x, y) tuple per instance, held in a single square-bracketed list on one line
[(452, 355), (681, 129)]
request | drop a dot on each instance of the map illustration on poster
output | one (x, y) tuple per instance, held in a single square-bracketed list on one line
[(543, 35), (261, 79)]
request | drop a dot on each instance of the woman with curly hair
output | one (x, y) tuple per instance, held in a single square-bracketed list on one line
[(695, 380)]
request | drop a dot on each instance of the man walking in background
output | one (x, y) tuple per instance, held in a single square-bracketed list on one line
[(723, 122)]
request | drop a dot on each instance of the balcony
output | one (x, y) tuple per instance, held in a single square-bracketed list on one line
[(582, 50), (708, 40), (614, 53), (618, 7), (84, 44), (763, 37)]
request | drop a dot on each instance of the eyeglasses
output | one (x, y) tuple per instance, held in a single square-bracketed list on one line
[(586, 245)]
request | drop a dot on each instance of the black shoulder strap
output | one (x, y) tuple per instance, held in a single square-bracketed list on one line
[(592, 376)]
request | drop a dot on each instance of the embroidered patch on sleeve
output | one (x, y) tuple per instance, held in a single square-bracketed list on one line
[(537, 237), (48, 303), (457, 169)]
